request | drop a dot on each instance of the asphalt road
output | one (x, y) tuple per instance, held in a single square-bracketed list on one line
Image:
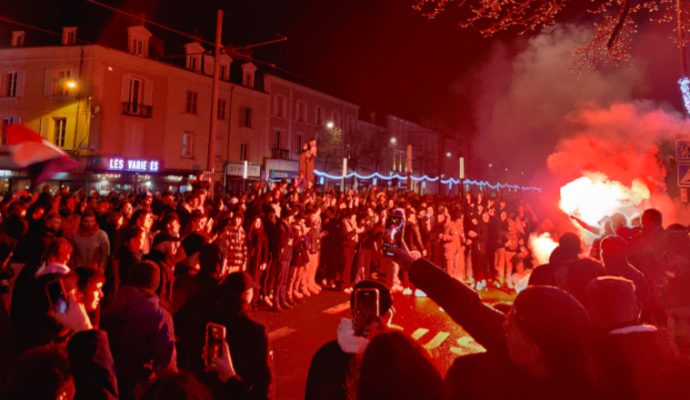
[(295, 335)]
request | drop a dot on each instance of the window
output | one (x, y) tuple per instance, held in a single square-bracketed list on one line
[(243, 151), (298, 149), (277, 139), (192, 63), (17, 39), (221, 109), (137, 47), (190, 106), (336, 119), (9, 84), (134, 95), (223, 72), (59, 131), (299, 111), (318, 116), (248, 79), (246, 117), (188, 145), (280, 106), (60, 79), (71, 37)]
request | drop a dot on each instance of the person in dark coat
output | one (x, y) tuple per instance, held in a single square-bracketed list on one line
[(164, 253), (247, 340), (330, 368), (210, 274), (542, 349), (257, 247), (637, 359), (142, 337)]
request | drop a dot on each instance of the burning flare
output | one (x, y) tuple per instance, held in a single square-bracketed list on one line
[(594, 197), (542, 246)]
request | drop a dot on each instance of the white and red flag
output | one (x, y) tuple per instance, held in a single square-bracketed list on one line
[(24, 148)]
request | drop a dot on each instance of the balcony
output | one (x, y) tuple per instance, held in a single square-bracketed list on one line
[(281, 154), (137, 110)]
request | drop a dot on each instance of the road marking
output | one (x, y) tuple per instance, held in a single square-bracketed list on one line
[(467, 346), (280, 333), (416, 335), (437, 340), (337, 309)]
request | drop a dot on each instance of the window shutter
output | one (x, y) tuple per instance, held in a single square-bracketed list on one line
[(148, 92), (48, 83), (124, 94), (21, 81)]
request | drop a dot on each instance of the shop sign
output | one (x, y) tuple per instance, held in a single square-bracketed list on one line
[(237, 169), (131, 164)]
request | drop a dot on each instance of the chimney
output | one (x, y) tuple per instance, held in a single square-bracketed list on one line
[(18, 38), (69, 35)]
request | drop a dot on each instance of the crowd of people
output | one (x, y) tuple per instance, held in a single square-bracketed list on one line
[(111, 296)]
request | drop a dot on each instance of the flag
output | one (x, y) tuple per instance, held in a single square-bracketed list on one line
[(25, 148)]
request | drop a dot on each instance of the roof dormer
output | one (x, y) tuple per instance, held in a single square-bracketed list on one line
[(194, 52), (248, 72), (138, 40), (225, 61), (69, 35), (18, 38)]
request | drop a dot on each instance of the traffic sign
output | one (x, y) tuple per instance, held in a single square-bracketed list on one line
[(683, 175)]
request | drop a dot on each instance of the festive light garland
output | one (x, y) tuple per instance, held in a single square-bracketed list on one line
[(684, 84), (425, 178)]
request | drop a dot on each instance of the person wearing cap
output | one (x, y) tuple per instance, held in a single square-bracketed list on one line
[(543, 347), (141, 332), (228, 305), (331, 366), (164, 253)]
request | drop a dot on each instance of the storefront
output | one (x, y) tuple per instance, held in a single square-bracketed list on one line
[(279, 170), (240, 174)]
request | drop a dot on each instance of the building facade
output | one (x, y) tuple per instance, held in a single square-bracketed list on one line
[(125, 114), (300, 113)]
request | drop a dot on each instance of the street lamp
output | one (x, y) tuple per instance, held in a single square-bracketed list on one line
[(71, 84), (330, 125), (448, 154), (394, 140)]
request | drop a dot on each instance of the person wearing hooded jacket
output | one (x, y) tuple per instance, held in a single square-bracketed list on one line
[(141, 332), (329, 371)]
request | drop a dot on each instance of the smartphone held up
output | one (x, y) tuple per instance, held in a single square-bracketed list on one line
[(215, 337), (366, 311), (393, 231)]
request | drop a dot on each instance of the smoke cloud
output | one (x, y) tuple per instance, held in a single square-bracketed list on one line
[(533, 113)]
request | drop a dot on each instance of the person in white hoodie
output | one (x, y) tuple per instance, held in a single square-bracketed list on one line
[(330, 367)]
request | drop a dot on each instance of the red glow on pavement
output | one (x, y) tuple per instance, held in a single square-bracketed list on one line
[(594, 197)]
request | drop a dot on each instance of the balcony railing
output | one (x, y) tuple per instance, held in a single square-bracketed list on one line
[(282, 154), (137, 110)]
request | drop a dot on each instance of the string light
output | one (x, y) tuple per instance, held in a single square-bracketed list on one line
[(684, 84), (425, 178)]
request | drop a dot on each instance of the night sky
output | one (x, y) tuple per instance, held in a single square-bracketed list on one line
[(380, 54)]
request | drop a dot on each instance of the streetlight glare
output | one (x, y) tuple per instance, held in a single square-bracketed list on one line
[(71, 84), (330, 125), (394, 140), (448, 154)]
